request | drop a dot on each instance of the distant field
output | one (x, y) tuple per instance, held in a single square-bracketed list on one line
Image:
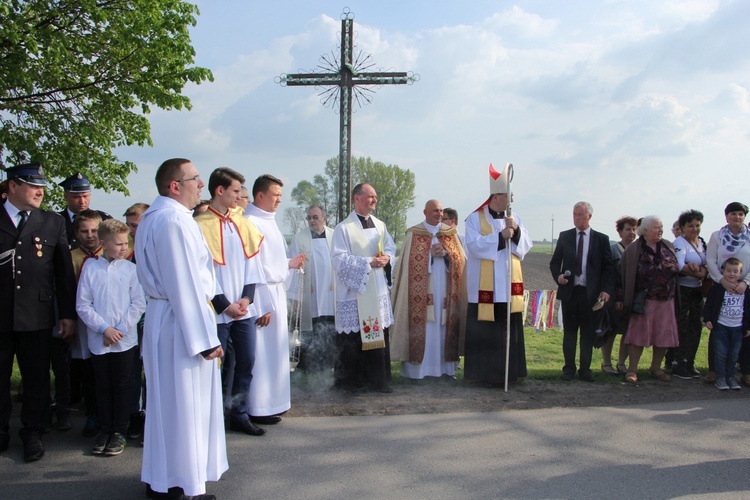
[(542, 247)]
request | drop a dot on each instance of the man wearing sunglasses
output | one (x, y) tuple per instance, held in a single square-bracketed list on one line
[(317, 303)]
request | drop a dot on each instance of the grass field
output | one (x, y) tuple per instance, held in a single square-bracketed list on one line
[(544, 358)]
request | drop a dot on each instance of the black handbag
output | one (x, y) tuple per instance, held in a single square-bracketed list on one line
[(603, 326), (639, 302)]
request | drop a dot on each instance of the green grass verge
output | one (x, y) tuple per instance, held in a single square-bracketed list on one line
[(544, 359)]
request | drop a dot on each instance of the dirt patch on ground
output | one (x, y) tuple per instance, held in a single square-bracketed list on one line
[(314, 398)]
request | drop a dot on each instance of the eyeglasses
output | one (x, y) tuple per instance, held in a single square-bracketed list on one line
[(313, 217), (244, 197), (196, 178)]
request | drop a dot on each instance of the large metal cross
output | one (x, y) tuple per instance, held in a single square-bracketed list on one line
[(345, 77)]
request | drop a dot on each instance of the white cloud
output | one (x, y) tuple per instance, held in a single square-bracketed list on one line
[(627, 104)]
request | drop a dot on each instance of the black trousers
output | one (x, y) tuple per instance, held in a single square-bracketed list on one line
[(83, 371), (358, 369), (32, 351), (113, 372), (577, 315), (60, 363), (690, 324)]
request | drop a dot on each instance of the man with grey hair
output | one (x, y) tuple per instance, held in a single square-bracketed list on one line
[(583, 269), (313, 293)]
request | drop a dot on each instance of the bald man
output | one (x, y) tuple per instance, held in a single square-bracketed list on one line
[(427, 298)]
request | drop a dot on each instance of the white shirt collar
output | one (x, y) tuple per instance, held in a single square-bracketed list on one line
[(12, 210)]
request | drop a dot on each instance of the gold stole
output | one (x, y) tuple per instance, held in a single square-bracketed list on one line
[(421, 299), (370, 322), (486, 306), (212, 227)]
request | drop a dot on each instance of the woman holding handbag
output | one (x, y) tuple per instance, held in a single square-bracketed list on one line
[(649, 271)]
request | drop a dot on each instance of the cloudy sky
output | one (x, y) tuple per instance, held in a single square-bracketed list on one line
[(638, 107)]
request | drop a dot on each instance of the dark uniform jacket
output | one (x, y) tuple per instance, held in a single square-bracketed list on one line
[(40, 272)]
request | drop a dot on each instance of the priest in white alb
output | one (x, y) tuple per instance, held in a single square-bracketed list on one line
[(427, 298), (270, 389), (362, 255), (318, 334), (184, 443)]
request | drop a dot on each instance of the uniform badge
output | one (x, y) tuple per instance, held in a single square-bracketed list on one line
[(38, 249)]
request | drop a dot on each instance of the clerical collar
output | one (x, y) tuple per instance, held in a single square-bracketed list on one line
[(432, 229), (496, 215), (366, 221), (315, 235)]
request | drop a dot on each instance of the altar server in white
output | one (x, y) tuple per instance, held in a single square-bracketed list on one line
[(270, 389), (184, 443)]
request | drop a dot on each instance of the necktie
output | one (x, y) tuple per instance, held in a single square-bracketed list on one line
[(24, 215), (579, 254)]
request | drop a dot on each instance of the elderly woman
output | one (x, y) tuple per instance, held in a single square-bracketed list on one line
[(732, 240), (691, 259), (649, 269)]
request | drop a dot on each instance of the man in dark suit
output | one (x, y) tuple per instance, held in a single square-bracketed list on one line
[(36, 272), (69, 376), (582, 267), (77, 196)]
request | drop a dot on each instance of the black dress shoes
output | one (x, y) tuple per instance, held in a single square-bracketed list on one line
[(269, 420), (246, 426), (33, 449), (586, 377), (176, 493)]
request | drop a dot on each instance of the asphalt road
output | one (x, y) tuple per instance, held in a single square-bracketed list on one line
[(695, 449)]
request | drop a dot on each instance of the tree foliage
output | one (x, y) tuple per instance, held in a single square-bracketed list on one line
[(78, 77), (395, 187)]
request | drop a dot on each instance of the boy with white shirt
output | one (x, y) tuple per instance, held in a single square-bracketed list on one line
[(727, 315), (110, 301)]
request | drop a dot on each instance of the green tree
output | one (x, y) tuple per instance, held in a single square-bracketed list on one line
[(78, 77), (395, 187)]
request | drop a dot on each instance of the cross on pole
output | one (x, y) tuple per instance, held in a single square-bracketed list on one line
[(345, 78)]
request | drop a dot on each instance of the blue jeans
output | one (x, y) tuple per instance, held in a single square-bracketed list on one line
[(242, 333), (727, 342)]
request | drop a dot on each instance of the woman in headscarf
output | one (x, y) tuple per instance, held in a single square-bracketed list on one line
[(732, 240)]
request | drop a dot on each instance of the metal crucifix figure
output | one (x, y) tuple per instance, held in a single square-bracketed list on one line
[(345, 77)]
